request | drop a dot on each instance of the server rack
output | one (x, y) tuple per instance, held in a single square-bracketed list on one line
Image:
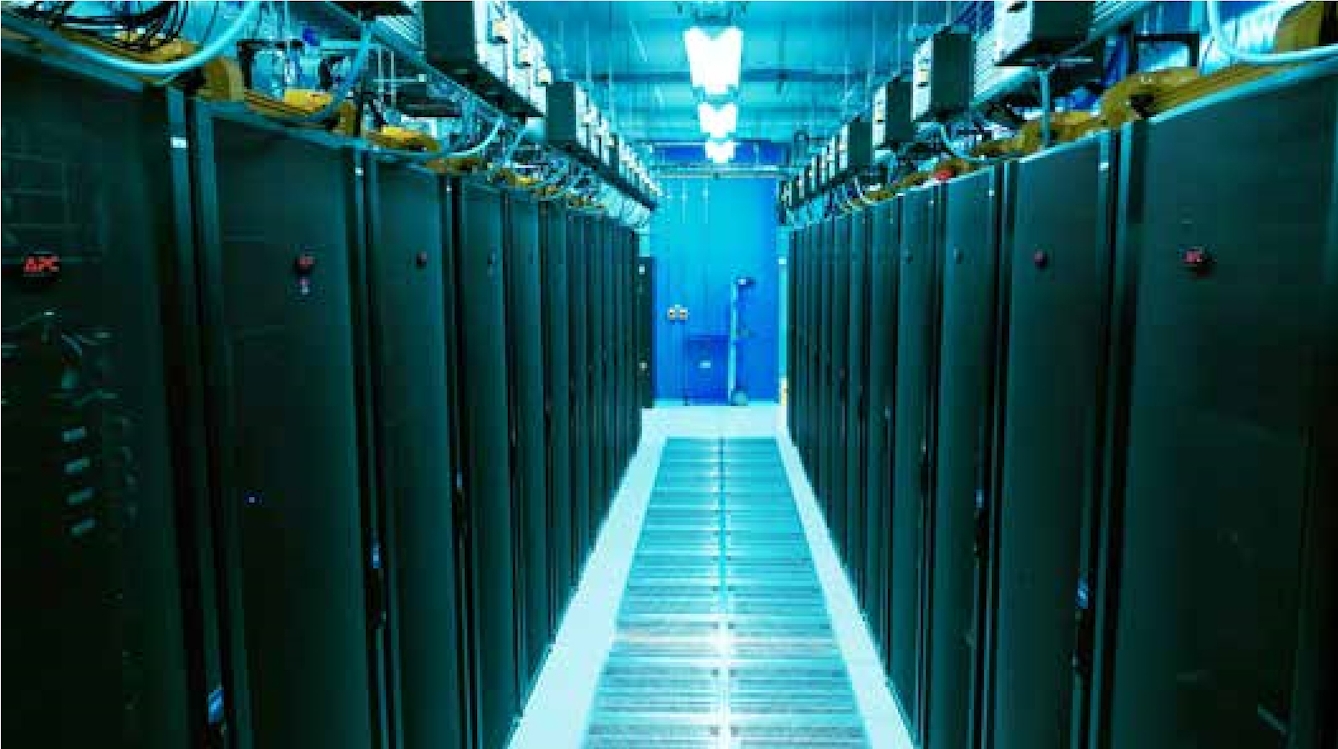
[(885, 230), (837, 422), (957, 561), (823, 403), (913, 438), (299, 546), (578, 269), (554, 221), (401, 274), (857, 333), (493, 575), (104, 435), (1055, 329), (524, 325), (812, 363), (1227, 357), (603, 398)]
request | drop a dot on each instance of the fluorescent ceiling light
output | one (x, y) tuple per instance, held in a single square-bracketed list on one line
[(718, 122), (720, 151), (714, 57)]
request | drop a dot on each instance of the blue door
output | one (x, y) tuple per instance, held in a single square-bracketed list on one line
[(709, 233)]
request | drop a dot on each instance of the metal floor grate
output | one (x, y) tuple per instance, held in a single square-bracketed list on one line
[(723, 639)]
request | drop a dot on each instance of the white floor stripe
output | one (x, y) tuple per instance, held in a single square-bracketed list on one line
[(883, 721)]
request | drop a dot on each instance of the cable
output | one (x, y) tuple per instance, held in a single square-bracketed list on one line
[(341, 92), (1260, 58), (952, 150), (206, 53), (475, 150)]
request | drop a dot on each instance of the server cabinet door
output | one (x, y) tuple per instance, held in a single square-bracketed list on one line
[(836, 417), (619, 335), (278, 309), (824, 364), (525, 328), (1227, 487), (578, 268), (798, 339), (857, 331), (94, 634), (812, 363), (405, 251), (617, 328), (645, 320), (594, 393), (493, 577), (967, 349), (885, 229), (1057, 274), (557, 373), (631, 407), (913, 439)]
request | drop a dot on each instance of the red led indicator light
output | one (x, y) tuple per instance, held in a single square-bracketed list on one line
[(1196, 259), (41, 265), (305, 264)]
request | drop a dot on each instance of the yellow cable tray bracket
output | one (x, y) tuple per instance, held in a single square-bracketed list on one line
[(1144, 95)]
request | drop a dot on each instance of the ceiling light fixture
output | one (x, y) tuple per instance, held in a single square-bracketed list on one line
[(718, 122), (715, 57), (720, 151)]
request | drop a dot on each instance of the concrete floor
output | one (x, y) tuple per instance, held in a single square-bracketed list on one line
[(559, 710)]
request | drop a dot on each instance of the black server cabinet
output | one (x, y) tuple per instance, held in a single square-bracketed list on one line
[(1054, 300), (286, 450), (1224, 511), (557, 393), (594, 392), (621, 329), (912, 441), (792, 335), (826, 377), (402, 276), (816, 375), (857, 334), (836, 416), (617, 330), (798, 340), (630, 326), (884, 263), (493, 577), (578, 264), (525, 343), (957, 562), (645, 322), (94, 260)]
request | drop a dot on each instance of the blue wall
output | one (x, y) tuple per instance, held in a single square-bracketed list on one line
[(706, 233)]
